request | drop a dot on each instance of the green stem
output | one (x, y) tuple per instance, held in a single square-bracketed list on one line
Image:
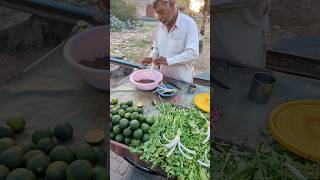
[(224, 165)]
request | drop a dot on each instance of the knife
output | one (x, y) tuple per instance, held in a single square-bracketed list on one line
[(174, 84)]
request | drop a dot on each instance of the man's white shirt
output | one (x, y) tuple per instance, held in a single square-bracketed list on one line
[(180, 46)]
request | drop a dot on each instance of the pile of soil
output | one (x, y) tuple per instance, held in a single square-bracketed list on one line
[(146, 81), (98, 63)]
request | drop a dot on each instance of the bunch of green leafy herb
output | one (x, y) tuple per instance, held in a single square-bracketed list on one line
[(269, 161), (187, 124)]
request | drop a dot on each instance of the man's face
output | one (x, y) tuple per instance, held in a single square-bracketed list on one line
[(165, 12)]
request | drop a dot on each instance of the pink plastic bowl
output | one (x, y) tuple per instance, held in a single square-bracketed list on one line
[(88, 45), (146, 74)]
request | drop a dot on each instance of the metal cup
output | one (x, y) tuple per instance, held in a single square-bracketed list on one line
[(261, 87), (192, 88)]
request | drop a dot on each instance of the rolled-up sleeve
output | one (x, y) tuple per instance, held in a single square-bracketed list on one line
[(191, 52)]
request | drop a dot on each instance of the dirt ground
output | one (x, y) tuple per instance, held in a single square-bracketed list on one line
[(136, 44), (13, 64)]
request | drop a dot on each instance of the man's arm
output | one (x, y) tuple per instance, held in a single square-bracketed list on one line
[(191, 52)]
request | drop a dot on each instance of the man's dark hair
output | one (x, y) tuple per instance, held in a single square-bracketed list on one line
[(169, 3)]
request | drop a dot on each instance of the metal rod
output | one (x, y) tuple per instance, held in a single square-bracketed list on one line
[(286, 63), (124, 63), (133, 65), (293, 64), (62, 12)]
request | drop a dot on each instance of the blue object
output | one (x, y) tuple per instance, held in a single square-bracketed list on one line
[(67, 7), (169, 86), (64, 6)]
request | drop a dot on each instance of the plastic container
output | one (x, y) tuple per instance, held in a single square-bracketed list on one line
[(88, 45), (149, 74), (169, 86)]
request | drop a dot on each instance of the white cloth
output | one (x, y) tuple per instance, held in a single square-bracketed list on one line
[(180, 46)]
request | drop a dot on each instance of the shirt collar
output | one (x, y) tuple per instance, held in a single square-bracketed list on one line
[(178, 23), (179, 20)]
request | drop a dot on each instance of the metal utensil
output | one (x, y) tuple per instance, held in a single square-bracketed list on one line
[(192, 88), (261, 87)]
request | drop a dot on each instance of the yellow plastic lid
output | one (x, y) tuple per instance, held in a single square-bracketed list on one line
[(296, 126), (202, 101)]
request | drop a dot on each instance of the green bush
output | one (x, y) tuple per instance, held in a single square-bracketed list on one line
[(124, 10), (118, 25)]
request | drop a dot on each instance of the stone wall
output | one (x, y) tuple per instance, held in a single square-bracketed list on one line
[(141, 6)]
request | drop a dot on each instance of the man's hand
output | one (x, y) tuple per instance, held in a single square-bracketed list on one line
[(161, 60), (146, 61)]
